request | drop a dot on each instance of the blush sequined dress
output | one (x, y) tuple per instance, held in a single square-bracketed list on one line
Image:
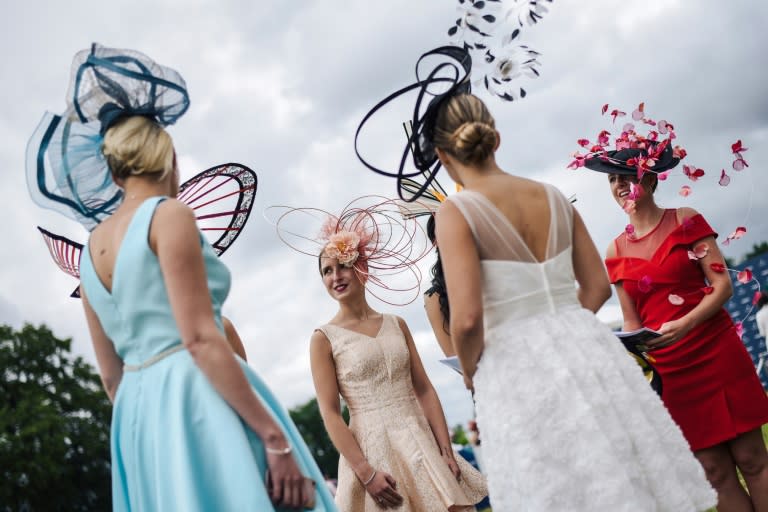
[(374, 377)]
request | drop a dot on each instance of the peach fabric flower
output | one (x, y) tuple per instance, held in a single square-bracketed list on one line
[(344, 247)]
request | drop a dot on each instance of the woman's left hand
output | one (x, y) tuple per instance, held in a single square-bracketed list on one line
[(452, 464), (671, 332)]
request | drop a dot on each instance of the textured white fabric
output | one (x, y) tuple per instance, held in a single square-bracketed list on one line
[(762, 322), (566, 418)]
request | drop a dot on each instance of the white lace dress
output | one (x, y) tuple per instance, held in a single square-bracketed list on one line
[(567, 420)]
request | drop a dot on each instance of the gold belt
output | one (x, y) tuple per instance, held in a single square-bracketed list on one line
[(152, 360)]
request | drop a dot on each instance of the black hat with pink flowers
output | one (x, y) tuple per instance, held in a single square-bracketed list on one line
[(633, 153), (625, 161)]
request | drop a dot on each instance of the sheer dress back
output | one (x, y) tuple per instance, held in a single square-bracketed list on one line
[(515, 283)]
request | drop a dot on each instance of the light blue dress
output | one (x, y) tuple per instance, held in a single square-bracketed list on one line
[(176, 444)]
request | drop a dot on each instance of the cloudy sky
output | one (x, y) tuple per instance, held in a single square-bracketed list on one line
[(281, 87)]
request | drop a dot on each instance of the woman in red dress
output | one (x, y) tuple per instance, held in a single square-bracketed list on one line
[(670, 276)]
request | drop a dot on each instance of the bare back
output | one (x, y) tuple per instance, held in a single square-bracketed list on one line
[(105, 242), (517, 219)]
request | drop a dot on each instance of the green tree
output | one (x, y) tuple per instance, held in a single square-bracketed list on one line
[(309, 422), (54, 426), (459, 435), (757, 249)]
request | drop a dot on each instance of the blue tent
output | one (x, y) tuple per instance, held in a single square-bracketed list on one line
[(741, 303)]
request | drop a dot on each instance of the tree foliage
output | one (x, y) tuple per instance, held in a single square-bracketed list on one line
[(310, 423), (54, 426), (459, 435), (757, 249)]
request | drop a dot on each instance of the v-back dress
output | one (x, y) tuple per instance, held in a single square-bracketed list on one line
[(567, 420), (176, 444), (709, 382), (374, 376)]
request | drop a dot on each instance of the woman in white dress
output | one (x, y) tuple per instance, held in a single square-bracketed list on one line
[(569, 423)]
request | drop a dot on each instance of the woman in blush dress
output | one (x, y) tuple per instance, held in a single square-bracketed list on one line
[(396, 451)]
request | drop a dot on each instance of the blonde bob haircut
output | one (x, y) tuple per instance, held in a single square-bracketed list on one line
[(136, 146)]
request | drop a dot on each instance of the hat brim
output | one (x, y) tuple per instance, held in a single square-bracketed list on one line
[(607, 167), (598, 164), (614, 162)]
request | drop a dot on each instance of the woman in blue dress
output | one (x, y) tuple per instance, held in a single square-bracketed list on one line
[(193, 427)]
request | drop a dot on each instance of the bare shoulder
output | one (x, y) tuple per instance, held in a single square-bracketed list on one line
[(175, 222), (104, 225), (320, 347), (174, 210), (449, 218), (406, 332), (431, 299), (685, 213), (448, 210)]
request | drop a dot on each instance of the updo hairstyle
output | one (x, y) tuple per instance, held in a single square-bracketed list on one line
[(137, 145), (465, 129)]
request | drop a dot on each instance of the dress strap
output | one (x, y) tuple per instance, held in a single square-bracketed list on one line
[(145, 213), (461, 201), (324, 329), (497, 238)]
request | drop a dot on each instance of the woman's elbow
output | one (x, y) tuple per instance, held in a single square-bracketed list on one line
[(604, 293), (194, 343), (110, 385), (593, 296), (195, 340), (465, 323)]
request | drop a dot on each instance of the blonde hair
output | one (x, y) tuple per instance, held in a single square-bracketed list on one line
[(137, 145), (465, 129)]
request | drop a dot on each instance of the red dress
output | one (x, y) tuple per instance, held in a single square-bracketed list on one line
[(709, 382)]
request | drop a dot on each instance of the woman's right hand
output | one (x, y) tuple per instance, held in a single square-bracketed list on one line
[(286, 482), (383, 489), (671, 332)]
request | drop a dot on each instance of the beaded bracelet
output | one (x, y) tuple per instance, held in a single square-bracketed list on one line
[(279, 451), (365, 484)]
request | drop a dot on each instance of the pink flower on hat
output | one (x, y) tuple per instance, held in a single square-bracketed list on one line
[(344, 247)]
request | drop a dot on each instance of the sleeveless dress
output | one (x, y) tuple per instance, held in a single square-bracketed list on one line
[(567, 420), (709, 382), (374, 376), (176, 444)]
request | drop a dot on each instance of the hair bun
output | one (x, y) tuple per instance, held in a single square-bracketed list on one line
[(474, 141)]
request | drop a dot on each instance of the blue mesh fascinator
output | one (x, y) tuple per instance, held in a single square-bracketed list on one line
[(66, 170)]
